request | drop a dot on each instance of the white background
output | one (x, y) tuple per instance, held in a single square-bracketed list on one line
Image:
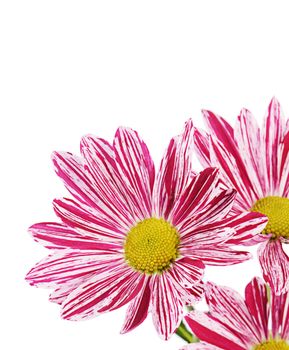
[(68, 68)]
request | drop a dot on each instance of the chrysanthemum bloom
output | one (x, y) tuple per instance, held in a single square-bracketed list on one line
[(235, 323), (255, 162), (130, 237)]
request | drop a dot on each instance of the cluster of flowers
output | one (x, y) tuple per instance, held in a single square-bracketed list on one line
[(133, 236)]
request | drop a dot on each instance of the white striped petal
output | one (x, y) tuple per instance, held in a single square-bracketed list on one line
[(174, 173), (167, 308), (136, 168)]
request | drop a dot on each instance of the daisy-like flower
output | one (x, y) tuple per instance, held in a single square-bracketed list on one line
[(255, 322), (255, 162), (128, 237)]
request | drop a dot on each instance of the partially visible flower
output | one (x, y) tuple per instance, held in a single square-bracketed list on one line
[(234, 323), (129, 237), (255, 162)]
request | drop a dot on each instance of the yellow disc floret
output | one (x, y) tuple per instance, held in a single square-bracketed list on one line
[(277, 211), (272, 344), (152, 245)]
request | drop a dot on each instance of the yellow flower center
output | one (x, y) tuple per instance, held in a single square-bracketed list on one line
[(277, 211), (152, 245), (272, 344)]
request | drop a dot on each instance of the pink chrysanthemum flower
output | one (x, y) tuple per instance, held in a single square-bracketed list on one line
[(234, 323), (256, 163), (130, 237)]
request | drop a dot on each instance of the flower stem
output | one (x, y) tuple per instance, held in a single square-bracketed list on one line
[(185, 334)]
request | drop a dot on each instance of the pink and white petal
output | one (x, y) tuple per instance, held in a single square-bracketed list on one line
[(224, 149), (238, 229), (215, 209), (137, 310), (202, 147), (200, 190), (257, 303), (232, 173), (200, 346), (190, 295), (61, 293), (136, 168), (88, 221), (218, 208), (105, 292), (167, 307), (81, 184), (77, 179), (67, 265), (284, 167), (247, 226), (275, 265), (187, 272), (100, 159), (280, 315), (218, 256), (174, 173), (205, 236), (273, 133), (199, 193), (212, 332), (251, 146), (227, 306), (55, 235), (220, 127)]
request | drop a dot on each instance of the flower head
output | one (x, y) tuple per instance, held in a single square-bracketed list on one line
[(255, 162), (255, 322), (131, 237)]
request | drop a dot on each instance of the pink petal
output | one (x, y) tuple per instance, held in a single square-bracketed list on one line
[(220, 127), (225, 153), (88, 221), (284, 167), (258, 306), (214, 209), (251, 147), (81, 184), (218, 255), (233, 174), (229, 307), (167, 308), (61, 293), (187, 272), (71, 169), (213, 332), (280, 315), (192, 295), (136, 168), (54, 235), (137, 310), (196, 195), (234, 230), (100, 158), (275, 265), (205, 237), (186, 275), (200, 346), (273, 134), (105, 292), (175, 171), (202, 147), (67, 265), (247, 226), (202, 200)]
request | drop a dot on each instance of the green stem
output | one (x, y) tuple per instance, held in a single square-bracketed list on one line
[(185, 334)]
